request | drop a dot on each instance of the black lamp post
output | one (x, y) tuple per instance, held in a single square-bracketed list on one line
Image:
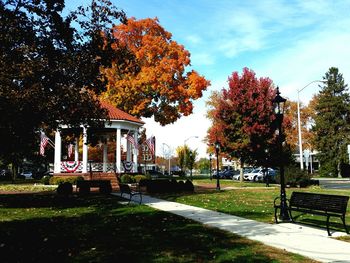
[(210, 176), (90, 168), (217, 149), (279, 102)]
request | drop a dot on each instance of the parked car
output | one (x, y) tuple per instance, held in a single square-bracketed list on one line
[(27, 174), (258, 174), (228, 174), (271, 173), (215, 174), (236, 177)]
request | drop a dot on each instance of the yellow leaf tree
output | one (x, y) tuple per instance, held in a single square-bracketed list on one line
[(154, 81)]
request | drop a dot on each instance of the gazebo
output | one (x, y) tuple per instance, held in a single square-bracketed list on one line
[(120, 126)]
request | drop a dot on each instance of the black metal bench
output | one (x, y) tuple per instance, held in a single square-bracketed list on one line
[(104, 186), (317, 204), (125, 189)]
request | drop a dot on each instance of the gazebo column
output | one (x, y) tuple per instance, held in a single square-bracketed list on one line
[(85, 151), (128, 151), (135, 154), (58, 145), (105, 157), (118, 150), (76, 150)]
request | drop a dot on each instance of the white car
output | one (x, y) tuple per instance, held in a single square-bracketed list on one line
[(236, 177), (27, 174), (253, 175), (258, 174)]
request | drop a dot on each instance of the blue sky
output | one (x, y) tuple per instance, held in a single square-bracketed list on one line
[(291, 42)]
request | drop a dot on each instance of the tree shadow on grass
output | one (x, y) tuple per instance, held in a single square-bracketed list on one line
[(116, 233)]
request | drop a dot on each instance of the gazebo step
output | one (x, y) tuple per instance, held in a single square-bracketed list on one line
[(95, 176)]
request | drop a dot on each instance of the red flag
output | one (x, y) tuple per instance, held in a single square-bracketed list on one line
[(43, 142), (132, 140), (151, 144)]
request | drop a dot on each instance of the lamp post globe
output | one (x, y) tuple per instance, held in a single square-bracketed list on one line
[(279, 103), (217, 149)]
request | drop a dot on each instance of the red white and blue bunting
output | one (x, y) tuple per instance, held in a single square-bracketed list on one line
[(128, 165), (71, 166)]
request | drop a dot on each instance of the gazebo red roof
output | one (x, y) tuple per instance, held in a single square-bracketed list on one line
[(117, 114)]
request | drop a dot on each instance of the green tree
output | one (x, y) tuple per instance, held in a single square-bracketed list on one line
[(191, 157), (186, 157), (50, 71), (332, 123), (203, 165), (180, 152)]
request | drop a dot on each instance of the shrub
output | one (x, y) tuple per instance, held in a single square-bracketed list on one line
[(293, 175), (65, 189), (139, 177), (189, 186), (70, 179), (127, 179), (45, 180)]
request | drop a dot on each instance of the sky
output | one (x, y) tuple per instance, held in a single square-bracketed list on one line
[(293, 42)]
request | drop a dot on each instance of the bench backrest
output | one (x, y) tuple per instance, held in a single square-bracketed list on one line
[(93, 183), (322, 202), (124, 188)]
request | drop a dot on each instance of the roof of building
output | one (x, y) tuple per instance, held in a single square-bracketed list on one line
[(117, 114)]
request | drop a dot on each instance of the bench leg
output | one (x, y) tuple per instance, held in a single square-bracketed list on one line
[(276, 208), (137, 194), (343, 219), (140, 198), (329, 233)]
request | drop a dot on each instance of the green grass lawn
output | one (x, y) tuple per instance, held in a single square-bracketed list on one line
[(25, 186), (228, 183), (253, 203), (43, 227)]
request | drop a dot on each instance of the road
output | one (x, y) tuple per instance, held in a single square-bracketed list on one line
[(334, 183)]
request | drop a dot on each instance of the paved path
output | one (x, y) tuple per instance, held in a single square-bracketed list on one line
[(300, 239)]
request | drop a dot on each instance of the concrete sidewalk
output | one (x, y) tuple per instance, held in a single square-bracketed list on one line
[(300, 239)]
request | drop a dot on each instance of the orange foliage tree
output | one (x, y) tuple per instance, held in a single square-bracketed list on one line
[(306, 119), (154, 81)]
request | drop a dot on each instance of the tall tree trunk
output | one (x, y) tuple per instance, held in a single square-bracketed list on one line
[(241, 170), (338, 169)]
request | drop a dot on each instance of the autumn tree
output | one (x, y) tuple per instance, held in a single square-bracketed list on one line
[(186, 157), (242, 118), (332, 123), (291, 128), (155, 81), (49, 70)]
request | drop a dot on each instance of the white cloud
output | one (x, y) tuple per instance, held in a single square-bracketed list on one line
[(194, 39), (202, 59)]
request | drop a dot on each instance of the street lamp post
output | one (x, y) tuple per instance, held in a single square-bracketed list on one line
[(191, 164), (210, 176), (279, 102), (169, 155), (299, 125), (217, 148)]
